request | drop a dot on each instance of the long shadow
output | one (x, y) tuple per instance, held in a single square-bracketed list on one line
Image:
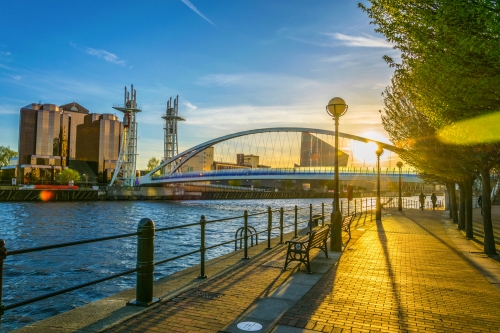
[(395, 292)]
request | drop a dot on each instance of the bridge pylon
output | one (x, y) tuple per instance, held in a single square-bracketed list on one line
[(126, 163), (171, 117)]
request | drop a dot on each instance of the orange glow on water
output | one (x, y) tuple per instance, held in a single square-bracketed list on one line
[(46, 195)]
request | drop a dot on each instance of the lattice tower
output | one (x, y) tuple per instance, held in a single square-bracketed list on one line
[(171, 116), (126, 163)]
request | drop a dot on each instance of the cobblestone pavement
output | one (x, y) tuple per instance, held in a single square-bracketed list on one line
[(402, 275)]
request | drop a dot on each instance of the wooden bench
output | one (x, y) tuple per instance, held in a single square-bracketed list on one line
[(298, 250), (346, 226)]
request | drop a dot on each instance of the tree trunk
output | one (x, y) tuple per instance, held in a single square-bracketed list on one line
[(461, 207), (489, 240), (468, 206), (453, 202)]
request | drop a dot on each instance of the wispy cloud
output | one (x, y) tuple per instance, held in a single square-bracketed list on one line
[(103, 54), (360, 41), (108, 56), (16, 77), (194, 9), (190, 106), (223, 80), (4, 53)]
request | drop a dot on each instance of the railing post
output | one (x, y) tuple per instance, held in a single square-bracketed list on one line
[(145, 264), (310, 217), (296, 209), (355, 208), (322, 214), (245, 236), (281, 225), (269, 225), (203, 248), (3, 255), (348, 207)]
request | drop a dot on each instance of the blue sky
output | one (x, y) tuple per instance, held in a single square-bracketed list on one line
[(236, 64)]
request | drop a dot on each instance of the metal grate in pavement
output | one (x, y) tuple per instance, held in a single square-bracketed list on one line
[(281, 264), (205, 294)]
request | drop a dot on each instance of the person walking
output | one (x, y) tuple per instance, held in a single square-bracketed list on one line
[(434, 200), (480, 203), (421, 198)]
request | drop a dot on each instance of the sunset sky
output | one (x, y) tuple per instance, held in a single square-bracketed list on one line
[(236, 65)]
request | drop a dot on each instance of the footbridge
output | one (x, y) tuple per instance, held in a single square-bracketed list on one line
[(280, 153)]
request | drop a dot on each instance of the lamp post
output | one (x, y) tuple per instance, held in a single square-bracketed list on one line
[(69, 140), (336, 108), (400, 201), (378, 213)]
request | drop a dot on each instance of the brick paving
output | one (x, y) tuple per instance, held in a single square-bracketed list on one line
[(401, 275)]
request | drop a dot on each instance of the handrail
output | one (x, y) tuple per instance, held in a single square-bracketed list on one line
[(148, 230)]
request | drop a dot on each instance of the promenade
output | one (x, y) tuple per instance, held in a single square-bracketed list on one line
[(410, 273), (413, 272)]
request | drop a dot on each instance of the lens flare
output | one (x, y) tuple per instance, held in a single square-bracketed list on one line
[(482, 129), (46, 195)]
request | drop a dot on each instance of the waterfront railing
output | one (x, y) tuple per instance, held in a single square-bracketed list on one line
[(246, 236)]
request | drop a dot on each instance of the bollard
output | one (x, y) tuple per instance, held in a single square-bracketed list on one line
[(3, 255), (296, 209), (203, 248), (281, 225), (322, 214), (310, 217), (245, 237), (145, 264), (269, 225)]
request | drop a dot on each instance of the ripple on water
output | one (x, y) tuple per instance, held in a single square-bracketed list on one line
[(32, 224)]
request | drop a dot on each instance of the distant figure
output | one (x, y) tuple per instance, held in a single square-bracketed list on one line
[(421, 198), (434, 200), (480, 203)]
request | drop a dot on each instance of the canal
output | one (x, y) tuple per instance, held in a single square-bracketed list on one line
[(33, 224)]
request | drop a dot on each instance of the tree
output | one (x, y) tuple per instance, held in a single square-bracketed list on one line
[(234, 182), (449, 73), (5, 155), (152, 163), (66, 175), (287, 184)]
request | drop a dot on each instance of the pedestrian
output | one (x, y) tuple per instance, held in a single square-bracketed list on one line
[(480, 203), (421, 198), (434, 200)]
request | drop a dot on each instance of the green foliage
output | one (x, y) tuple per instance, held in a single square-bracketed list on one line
[(287, 184), (152, 163), (234, 182), (5, 155), (66, 175)]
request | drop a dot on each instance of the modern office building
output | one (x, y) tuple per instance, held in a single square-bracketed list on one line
[(53, 137), (98, 142), (315, 152)]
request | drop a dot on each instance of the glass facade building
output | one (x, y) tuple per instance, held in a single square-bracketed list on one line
[(315, 152)]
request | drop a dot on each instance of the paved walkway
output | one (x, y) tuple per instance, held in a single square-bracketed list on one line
[(410, 273)]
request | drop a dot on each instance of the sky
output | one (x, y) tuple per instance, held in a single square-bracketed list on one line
[(235, 64)]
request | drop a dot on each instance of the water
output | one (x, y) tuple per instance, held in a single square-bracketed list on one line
[(28, 224)]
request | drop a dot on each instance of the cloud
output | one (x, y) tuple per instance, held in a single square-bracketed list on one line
[(190, 106), (223, 80), (357, 41), (16, 77), (194, 9), (108, 56), (4, 53)]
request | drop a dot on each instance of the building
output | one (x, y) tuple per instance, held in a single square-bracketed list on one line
[(98, 142), (202, 161), (247, 160), (53, 137), (315, 152)]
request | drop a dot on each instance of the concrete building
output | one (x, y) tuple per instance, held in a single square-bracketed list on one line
[(98, 142), (203, 161)]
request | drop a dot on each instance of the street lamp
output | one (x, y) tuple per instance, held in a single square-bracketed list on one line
[(336, 108), (400, 201), (378, 214)]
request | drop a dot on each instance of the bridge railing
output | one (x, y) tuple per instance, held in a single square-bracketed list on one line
[(287, 171), (271, 223)]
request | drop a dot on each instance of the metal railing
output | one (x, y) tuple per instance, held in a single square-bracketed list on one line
[(289, 219)]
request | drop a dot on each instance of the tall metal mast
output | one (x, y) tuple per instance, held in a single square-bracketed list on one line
[(128, 149), (171, 117)]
